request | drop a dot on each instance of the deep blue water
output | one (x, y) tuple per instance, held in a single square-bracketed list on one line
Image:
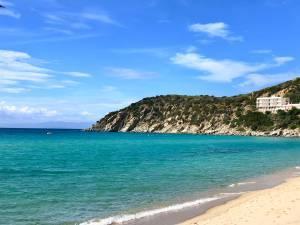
[(72, 176)]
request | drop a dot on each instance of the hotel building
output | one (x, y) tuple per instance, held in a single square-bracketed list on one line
[(273, 103)]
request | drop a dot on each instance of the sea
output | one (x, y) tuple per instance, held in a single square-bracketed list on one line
[(64, 177)]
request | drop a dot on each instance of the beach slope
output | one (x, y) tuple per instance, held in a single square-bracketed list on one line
[(276, 206)]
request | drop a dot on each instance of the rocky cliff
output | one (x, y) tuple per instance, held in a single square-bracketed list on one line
[(234, 115)]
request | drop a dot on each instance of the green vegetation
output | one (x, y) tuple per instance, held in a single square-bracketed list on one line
[(256, 121), (290, 119), (259, 121)]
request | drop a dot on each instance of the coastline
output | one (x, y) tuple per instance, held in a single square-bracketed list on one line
[(190, 212), (276, 133), (277, 205)]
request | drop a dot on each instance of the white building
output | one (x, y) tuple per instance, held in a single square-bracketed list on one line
[(273, 103)]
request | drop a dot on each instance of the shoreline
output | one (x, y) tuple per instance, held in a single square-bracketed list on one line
[(278, 205), (213, 133), (186, 212)]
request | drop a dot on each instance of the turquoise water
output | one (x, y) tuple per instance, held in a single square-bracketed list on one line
[(72, 176)]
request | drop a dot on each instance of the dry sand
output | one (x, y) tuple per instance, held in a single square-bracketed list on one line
[(276, 206)]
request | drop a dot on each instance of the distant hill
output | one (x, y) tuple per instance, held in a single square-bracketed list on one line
[(48, 125), (205, 114)]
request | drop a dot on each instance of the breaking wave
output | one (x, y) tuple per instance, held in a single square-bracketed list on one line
[(120, 219)]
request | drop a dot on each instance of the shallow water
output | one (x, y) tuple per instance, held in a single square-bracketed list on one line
[(71, 176)]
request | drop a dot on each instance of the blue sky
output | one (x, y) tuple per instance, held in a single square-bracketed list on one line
[(75, 61)]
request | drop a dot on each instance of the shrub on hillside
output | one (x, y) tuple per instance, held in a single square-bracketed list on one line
[(256, 120)]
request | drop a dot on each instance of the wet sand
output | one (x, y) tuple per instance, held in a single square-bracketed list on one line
[(279, 205)]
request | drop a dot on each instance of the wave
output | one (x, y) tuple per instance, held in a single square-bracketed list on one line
[(130, 217), (241, 184)]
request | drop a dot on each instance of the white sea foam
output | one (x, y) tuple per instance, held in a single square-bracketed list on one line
[(235, 193), (241, 184), (297, 167), (129, 217)]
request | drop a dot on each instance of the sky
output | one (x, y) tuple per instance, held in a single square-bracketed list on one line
[(68, 63)]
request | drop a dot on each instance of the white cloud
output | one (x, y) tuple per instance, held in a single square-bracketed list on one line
[(13, 90), (6, 3), (191, 49), (70, 82), (283, 59), (129, 74), (55, 86), (58, 30), (215, 70), (99, 16), (63, 20), (13, 75), (8, 110), (15, 67), (213, 29), (71, 21), (8, 11), (218, 29), (261, 80), (8, 82), (223, 70), (54, 19), (78, 74), (12, 55), (19, 72)]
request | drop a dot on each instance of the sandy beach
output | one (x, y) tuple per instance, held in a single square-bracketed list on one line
[(277, 206)]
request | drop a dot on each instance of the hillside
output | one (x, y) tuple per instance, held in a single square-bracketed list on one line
[(235, 115)]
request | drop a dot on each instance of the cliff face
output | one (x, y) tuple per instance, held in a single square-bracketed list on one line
[(207, 114)]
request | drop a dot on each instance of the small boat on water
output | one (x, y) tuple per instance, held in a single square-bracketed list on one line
[(48, 133)]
